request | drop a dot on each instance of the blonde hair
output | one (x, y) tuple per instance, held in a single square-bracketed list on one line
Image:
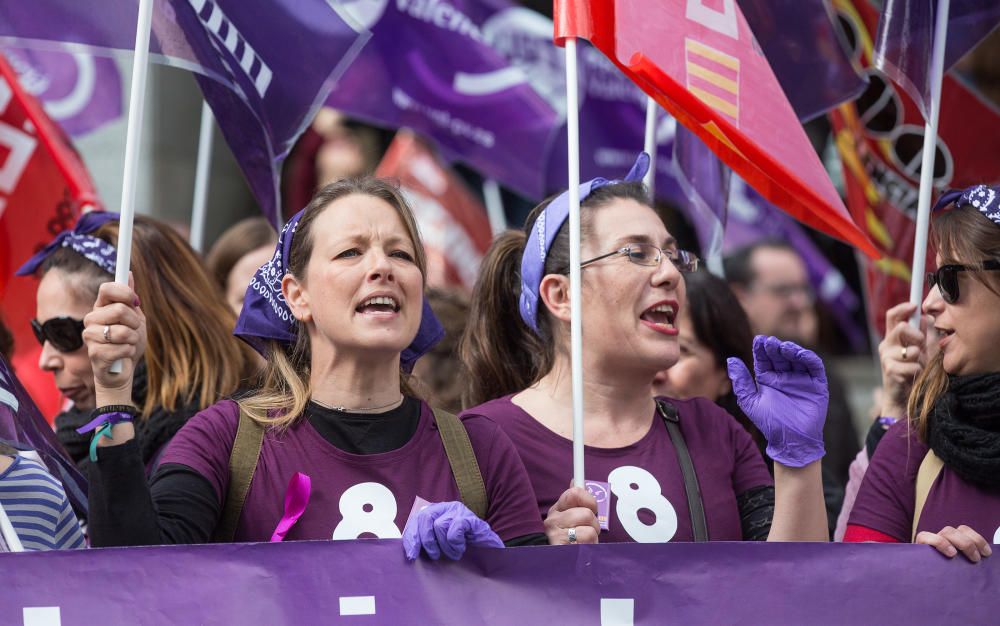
[(284, 387), (963, 236), (191, 354)]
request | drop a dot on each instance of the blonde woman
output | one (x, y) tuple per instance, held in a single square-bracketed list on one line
[(339, 315)]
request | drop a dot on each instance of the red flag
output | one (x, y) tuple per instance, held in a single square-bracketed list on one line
[(453, 223), (43, 188), (700, 61), (880, 141)]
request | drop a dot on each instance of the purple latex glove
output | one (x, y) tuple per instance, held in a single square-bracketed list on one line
[(446, 528), (788, 401)]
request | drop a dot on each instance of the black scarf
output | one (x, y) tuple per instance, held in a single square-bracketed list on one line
[(964, 428)]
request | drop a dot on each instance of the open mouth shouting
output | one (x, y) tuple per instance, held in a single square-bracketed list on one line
[(660, 317), (379, 306)]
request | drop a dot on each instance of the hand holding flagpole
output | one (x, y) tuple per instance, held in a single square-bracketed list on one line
[(137, 95)]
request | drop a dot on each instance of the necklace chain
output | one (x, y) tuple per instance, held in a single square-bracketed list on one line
[(366, 409)]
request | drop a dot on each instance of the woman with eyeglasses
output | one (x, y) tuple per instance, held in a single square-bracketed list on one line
[(657, 469), (191, 358), (935, 477)]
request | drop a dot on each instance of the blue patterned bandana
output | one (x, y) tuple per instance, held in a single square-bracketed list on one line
[(983, 198), (97, 251)]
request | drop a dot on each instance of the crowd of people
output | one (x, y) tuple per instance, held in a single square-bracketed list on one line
[(308, 365)]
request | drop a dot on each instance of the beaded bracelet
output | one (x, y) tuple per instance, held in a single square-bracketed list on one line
[(106, 417)]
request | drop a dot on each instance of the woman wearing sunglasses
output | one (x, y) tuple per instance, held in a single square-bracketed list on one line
[(663, 469), (191, 357), (935, 477)]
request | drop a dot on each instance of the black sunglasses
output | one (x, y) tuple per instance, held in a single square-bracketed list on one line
[(946, 278), (64, 333)]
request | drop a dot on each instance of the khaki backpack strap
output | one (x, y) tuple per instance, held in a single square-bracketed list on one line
[(242, 465), (463, 462), (929, 470)]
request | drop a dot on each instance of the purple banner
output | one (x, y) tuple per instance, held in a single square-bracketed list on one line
[(24, 428), (906, 37), (264, 66), (369, 582), (428, 68), (806, 53), (79, 91)]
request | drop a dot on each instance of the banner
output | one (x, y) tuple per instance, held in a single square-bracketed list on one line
[(80, 92), (453, 223), (43, 189), (370, 582), (880, 141)]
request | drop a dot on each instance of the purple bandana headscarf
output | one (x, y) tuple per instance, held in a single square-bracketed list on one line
[(985, 199), (266, 315), (97, 251), (544, 232)]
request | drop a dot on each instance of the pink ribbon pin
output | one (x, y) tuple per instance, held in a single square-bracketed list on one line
[(296, 499)]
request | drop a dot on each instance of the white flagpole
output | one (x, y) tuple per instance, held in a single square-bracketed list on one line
[(133, 135), (494, 206), (649, 145), (927, 162), (576, 299), (200, 202)]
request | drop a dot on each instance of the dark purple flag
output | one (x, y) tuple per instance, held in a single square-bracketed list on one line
[(264, 66), (80, 92), (705, 182), (429, 68), (612, 108), (806, 53), (619, 584), (906, 37), (24, 428)]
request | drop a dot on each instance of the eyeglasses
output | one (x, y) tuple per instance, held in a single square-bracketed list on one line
[(946, 278), (64, 333), (649, 255), (788, 290)]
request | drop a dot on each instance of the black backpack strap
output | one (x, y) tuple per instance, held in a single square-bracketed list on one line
[(242, 466), (464, 465), (699, 525)]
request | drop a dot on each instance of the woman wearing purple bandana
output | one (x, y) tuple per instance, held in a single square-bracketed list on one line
[(345, 450), (190, 356), (657, 469), (935, 476)]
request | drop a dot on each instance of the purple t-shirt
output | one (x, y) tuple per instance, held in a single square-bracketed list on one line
[(354, 495), (648, 501), (888, 494)]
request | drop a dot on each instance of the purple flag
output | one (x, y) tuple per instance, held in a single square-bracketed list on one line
[(906, 37), (751, 218), (429, 68), (24, 428), (705, 182), (369, 582), (80, 92), (806, 53), (264, 66), (612, 108)]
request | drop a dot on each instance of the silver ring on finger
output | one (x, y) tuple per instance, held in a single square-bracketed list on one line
[(902, 352), (107, 334), (571, 535)]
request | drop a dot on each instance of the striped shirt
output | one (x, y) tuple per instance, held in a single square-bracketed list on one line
[(37, 507)]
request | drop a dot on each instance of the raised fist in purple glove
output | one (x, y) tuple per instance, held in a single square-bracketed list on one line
[(446, 528), (788, 401)]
